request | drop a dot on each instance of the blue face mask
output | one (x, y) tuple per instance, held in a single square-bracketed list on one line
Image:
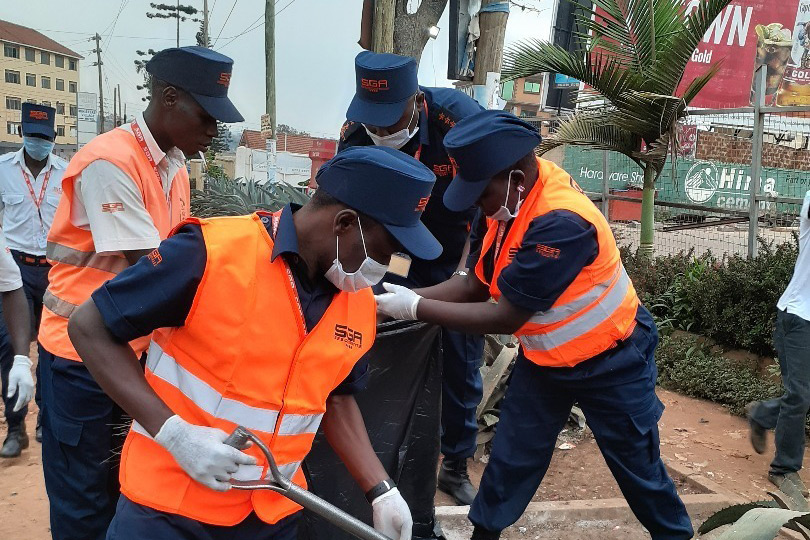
[(36, 148)]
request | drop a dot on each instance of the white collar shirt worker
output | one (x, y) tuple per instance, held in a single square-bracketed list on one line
[(24, 225)]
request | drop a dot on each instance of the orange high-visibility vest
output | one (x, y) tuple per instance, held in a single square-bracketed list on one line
[(598, 308), (244, 357), (77, 269)]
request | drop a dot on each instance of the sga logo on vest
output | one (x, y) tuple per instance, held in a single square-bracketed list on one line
[(351, 338)]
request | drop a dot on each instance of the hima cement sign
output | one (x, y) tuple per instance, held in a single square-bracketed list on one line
[(712, 184)]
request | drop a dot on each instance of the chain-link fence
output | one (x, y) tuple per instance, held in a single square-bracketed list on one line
[(704, 195)]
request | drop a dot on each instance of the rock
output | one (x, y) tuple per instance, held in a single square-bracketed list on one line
[(522, 530), (566, 446)]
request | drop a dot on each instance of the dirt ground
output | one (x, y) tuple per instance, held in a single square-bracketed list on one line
[(700, 436)]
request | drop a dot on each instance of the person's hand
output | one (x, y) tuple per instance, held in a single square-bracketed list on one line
[(202, 452), (399, 302), (392, 517), (20, 381)]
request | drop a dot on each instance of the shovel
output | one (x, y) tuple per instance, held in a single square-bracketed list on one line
[(279, 483)]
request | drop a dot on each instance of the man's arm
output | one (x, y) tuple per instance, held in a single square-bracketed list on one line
[(346, 432), (17, 315), (502, 317)]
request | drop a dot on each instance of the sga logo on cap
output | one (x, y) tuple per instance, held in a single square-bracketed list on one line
[(422, 204), (224, 79), (38, 115), (374, 85)]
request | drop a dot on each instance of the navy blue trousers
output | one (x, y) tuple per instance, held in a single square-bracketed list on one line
[(462, 387), (35, 281), (137, 522), (82, 436), (616, 391), (13, 419)]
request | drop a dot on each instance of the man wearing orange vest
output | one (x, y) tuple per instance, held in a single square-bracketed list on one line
[(549, 260), (259, 321), (122, 193)]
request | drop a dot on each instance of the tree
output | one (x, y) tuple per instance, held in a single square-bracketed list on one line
[(289, 130), (411, 29), (178, 11), (632, 55), (222, 142), (140, 68)]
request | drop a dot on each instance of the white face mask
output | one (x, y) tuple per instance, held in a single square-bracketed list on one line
[(369, 274), (395, 140), (503, 213)]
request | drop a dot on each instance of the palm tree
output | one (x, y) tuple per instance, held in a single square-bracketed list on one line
[(224, 197), (632, 54)]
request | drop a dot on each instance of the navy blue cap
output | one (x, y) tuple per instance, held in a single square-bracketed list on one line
[(480, 146), (385, 82), (387, 185), (203, 73), (38, 120)]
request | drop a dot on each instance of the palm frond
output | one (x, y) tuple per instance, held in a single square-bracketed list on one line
[(224, 197), (591, 130)]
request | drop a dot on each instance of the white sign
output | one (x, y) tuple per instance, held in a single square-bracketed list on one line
[(701, 182), (87, 105)]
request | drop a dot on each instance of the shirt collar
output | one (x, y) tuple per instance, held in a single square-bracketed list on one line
[(151, 144), (19, 158), (286, 238)]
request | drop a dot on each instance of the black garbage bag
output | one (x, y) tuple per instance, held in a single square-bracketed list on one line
[(401, 407)]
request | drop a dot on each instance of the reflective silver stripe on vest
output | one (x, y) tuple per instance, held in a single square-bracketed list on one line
[(60, 307), (86, 259), (584, 324), (560, 313), (294, 424)]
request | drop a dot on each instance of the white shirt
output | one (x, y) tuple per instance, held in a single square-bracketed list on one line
[(108, 203), (21, 220), (10, 278), (796, 298)]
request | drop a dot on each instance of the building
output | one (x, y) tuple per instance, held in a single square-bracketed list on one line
[(523, 96), (298, 157), (36, 68)]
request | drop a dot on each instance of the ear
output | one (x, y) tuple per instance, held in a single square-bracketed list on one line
[(169, 96), (420, 101), (518, 178), (344, 221)]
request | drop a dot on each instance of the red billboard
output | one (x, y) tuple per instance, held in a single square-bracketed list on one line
[(747, 34)]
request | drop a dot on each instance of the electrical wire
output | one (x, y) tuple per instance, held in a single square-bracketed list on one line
[(226, 21), (253, 26)]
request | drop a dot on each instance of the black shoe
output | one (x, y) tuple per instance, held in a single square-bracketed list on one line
[(483, 534), (454, 480), (787, 486), (758, 433), (38, 431), (15, 443)]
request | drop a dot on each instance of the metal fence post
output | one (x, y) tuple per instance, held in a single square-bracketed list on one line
[(756, 159), (605, 184)]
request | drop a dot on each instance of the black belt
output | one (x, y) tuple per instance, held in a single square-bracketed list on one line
[(28, 259)]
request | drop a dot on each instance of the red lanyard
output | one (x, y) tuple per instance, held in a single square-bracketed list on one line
[(501, 231), (37, 200), (276, 219), (136, 130)]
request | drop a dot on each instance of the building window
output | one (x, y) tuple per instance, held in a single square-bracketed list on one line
[(72, 87), (46, 103), (45, 58), (11, 51), (60, 108), (72, 65), (73, 131), (73, 110), (59, 61), (60, 131), (12, 77), (30, 54), (60, 84), (531, 87), (13, 103), (13, 128), (45, 82), (30, 79), (31, 101)]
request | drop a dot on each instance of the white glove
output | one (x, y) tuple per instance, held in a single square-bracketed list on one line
[(20, 381), (392, 517), (399, 302), (202, 452)]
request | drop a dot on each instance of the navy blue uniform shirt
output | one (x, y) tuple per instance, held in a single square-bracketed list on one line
[(145, 297), (445, 107)]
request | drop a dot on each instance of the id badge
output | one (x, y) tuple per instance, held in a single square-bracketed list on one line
[(41, 239)]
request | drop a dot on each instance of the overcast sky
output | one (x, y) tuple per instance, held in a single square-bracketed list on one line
[(316, 42)]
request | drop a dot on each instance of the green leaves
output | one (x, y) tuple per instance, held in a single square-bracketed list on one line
[(224, 197)]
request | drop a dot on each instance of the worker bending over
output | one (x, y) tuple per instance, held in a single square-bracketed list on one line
[(549, 259), (262, 319)]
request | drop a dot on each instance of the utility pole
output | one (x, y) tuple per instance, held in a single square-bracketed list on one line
[(120, 100), (178, 22), (382, 40), (97, 50), (115, 107), (124, 120), (205, 22), (270, 61), (489, 51)]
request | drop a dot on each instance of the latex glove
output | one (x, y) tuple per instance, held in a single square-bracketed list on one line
[(392, 517), (202, 452), (20, 381), (399, 302)]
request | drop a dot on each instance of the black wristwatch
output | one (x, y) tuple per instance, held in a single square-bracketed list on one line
[(383, 487)]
